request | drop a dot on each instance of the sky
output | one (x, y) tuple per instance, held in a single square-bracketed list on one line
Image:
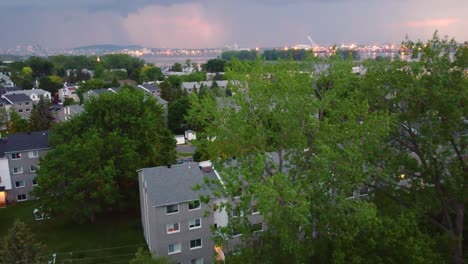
[(216, 23)]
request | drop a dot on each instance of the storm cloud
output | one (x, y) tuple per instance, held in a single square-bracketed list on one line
[(211, 23)]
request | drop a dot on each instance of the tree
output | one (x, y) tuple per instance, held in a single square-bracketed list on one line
[(92, 167), (20, 246), (214, 65), (176, 114), (426, 148), (17, 124), (177, 67), (150, 73), (41, 116), (144, 257), (51, 83), (303, 148)]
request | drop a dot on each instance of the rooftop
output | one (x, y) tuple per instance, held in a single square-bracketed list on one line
[(16, 98), (24, 141), (175, 184)]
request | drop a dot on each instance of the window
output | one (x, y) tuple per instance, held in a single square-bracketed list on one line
[(33, 154), (235, 233), (33, 168), (172, 209), (173, 248), (27, 103), (15, 156), (195, 223), (22, 197), (20, 111), (194, 205), (196, 243), (255, 209), (17, 170), (173, 228), (27, 109), (197, 261), (34, 181), (237, 212), (19, 184), (257, 227)]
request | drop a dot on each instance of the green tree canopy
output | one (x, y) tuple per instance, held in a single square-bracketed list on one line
[(20, 246), (92, 167)]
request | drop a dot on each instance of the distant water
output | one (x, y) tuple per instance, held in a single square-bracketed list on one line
[(163, 60)]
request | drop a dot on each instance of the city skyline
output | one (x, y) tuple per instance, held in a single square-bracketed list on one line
[(211, 24)]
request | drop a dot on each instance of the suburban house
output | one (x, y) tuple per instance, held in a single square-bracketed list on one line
[(21, 153), (20, 103), (5, 80), (69, 91), (65, 113), (150, 88), (34, 94), (91, 93), (175, 222), (4, 90)]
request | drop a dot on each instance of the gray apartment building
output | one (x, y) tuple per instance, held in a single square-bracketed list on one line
[(23, 151), (19, 103), (174, 220), (175, 223)]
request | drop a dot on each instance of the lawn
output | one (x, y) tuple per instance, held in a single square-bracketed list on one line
[(113, 238)]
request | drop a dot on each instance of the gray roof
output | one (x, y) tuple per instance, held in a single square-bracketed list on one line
[(161, 101), (24, 141), (38, 92), (4, 90), (150, 86), (98, 91), (175, 185), (17, 98), (114, 89), (76, 109)]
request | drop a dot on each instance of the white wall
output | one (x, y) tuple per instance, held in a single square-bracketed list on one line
[(5, 174), (220, 217), (180, 139)]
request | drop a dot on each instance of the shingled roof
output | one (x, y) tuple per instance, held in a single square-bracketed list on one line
[(20, 142)]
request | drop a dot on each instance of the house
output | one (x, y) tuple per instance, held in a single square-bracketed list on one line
[(180, 139), (22, 152), (5, 181), (34, 94), (4, 90), (65, 113), (69, 91), (96, 92), (150, 88), (190, 135), (174, 220), (20, 103)]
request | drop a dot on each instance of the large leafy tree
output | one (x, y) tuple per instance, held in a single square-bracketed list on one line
[(426, 152), (92, 167), (20, 246), (41, 116), (303, 148)]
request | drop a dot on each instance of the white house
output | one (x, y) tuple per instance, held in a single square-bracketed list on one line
[(180, 139), (34, 94), (5, 180), (190, 135), (69, 91)]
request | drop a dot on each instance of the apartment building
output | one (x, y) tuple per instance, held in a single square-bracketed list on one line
[(175, 222), (20, 153)]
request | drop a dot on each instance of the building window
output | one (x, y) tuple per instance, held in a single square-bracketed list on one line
[(34, 181), (196, 243), (172, 209), (173, 248), (17, 170), (27, 109), (197, 261), (237, 212), (255, 209), (235, 233), (33, 154), (27, 103), (195, 223), (22, 197), (173, 228), (15, 156), (194, 205), (33, 168), (257, 227), (20, 111), (19, 184)]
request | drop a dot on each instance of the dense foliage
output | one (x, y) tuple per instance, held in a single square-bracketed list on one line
[(20, 246), (92, 167)]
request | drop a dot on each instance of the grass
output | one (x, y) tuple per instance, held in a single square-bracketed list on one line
[(184, 154), (113, 238)]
